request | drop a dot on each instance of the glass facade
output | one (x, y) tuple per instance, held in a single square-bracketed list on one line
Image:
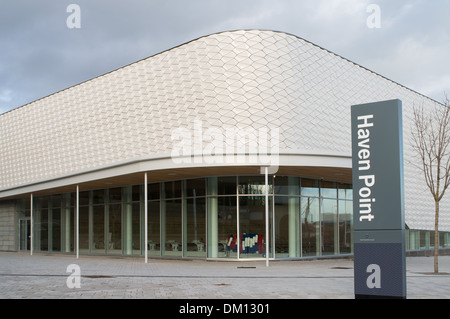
[(214, 217)]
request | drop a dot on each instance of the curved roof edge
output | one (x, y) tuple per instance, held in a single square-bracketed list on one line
[(216, 33)]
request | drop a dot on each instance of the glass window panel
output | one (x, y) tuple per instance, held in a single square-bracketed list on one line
[(24, 234), (115, 195), (114, 237), (43, 202), (195, 187), (413, 240), (56, 229), (345, 191), (154, 228), (172, 228), (447, 240), (253, 185), (136, 228), (441, 240), (310, 187), (98, 229), (98, 197), (328, 189), (287, 228), (84, 198), (153, 191), (252, 226), (345, 226), (329, 227), (227, 226), (195, 227), (84, 229), (43, 228), (56, 201), (310, 226), (172, 189), (424, 242), (431, 239), (287, 185), (226, 185), (136, 193)]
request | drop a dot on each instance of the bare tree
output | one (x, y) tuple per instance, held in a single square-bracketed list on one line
[(431, 140)]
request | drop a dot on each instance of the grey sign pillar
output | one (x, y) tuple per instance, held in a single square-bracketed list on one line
[(378, 200)]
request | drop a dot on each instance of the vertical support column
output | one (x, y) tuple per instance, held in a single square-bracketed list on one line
[(32, 225), (145, 218), (77, 222), (127, 212), (65, 221), (213, 228), (266, 178), (293, 219), (293, 216)]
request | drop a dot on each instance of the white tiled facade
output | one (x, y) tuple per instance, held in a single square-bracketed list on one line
[(239, 78)]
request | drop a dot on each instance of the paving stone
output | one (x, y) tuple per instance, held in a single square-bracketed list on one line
[(43, 276)]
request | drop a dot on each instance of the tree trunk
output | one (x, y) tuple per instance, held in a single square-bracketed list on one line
[(436, 237)]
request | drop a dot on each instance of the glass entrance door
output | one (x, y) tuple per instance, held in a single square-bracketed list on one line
[(24, 234)]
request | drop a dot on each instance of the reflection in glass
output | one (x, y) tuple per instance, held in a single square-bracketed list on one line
[(310, 226), (172, 189), (203, 217), (329, 226), (345, 226), (98, 229), (114, 238), (287, 185), (253, 185), (310, 187), (153, 191), (154, 243), (225, 186), (345, 191), (328, 189), (195, 187), (56, 229), (115, 195), (43, 229), (287, 226), (136, 228), (227, 241), (195, 227), (252, 226), (84, 228), (172, 229)]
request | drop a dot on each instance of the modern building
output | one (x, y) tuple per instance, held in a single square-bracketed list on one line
[(235, 145)]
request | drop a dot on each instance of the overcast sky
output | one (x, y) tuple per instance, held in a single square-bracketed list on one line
[(40, 55)]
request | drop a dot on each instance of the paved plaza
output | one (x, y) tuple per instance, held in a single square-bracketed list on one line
[(46, 276)]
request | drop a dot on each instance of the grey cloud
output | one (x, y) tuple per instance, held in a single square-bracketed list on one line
[(40, 55)]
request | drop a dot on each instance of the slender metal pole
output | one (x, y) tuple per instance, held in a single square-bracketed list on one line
[(266, 173), (31, 226), (146, 217), (78, 221)]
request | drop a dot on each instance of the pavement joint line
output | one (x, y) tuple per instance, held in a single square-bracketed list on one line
[(176, 276)]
